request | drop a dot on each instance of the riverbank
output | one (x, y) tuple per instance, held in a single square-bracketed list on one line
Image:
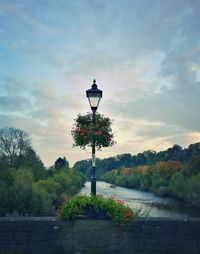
[(165, 178), (161, 193)]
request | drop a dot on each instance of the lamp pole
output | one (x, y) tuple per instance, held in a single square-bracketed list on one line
[(94, 96), (93, 175)]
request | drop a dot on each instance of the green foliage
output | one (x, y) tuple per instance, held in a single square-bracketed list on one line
[(115, 209), (178, 185), (26, 187), (86, 131), (20, 194), (193, 167), (49, 186), (69, 182), (41, 202), (31, 161), (192, 194)]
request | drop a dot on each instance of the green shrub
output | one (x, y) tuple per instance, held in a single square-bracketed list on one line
[(115, 209)]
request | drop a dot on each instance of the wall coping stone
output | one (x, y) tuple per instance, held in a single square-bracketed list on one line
[(151, 219)]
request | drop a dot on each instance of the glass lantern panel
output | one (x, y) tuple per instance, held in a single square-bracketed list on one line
[(94, 101)]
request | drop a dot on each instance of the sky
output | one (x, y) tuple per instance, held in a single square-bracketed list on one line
[(144, 55)]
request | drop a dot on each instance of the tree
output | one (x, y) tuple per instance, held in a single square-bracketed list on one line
[(66, 162), (178, 185), (61, 163), (193, 167), (174, 153), (30, 160), (124, 160), (83, 167), (13, 143), (150, 156)]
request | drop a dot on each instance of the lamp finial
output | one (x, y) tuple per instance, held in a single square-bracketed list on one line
[(94, 85)]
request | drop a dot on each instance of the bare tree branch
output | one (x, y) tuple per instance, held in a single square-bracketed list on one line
[(13, 142)]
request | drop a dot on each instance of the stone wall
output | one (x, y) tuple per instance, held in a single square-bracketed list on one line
[(146, 236)]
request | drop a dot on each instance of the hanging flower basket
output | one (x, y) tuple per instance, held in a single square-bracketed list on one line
[(86, 130)]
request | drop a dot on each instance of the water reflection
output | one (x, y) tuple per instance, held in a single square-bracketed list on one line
[(159, 206)]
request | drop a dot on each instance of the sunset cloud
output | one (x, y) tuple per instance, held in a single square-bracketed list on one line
[(144, 55)]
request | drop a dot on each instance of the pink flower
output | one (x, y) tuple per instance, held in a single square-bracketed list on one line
[(120, 201)]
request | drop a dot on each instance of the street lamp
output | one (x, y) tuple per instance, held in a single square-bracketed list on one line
[(94, 96)]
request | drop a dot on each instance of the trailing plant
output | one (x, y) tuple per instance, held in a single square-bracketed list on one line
[(85, 131), (115, 209)]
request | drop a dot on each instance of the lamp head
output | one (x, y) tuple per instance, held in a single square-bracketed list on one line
[(94, 96)]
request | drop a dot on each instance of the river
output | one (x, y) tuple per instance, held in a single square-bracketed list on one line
[(158, 206)]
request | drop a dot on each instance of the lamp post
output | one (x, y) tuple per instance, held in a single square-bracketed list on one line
[(94, 96)]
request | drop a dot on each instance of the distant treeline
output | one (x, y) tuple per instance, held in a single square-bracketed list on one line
[(166, 178), (27, 188), (175, 153)]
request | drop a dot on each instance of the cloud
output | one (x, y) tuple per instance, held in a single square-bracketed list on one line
[(14, 104), (9, 7), (167, 107), (35, 25), (151, 130), (11, 85), (143, 54), (44, 55), (171, 96)]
